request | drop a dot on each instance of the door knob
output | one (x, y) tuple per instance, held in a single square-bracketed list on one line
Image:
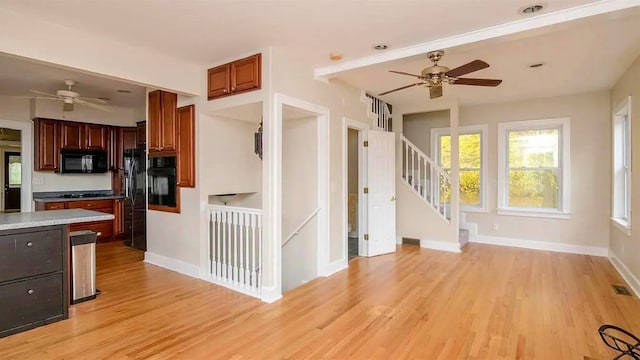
[(393, 198)]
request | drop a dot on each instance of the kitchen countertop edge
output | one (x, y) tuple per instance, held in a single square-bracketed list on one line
[(50, 218), (60, 199)]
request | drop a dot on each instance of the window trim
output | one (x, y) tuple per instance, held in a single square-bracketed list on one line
[(565, 161), (623, 108), (483, 130)]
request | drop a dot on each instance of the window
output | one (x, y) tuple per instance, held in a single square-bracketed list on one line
[(472, 155), (621, 176), (534, 168)]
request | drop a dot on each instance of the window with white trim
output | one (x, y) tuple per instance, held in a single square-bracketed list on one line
[(534, 166), (473, 159), (621, 202)]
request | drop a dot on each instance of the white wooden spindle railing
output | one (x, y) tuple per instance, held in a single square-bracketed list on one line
[(235, 248), (382, 110), (425, 177)]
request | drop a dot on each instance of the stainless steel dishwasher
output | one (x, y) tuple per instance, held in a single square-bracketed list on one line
[(83, 265)]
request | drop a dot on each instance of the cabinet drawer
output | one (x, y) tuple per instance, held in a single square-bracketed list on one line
[(104, 229), (31, 253), (31, 302), (90, 204), (54, 205)]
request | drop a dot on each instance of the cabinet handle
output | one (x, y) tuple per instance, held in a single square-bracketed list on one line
[(233, 89), (29, 244), (30, 291), (225, 90)]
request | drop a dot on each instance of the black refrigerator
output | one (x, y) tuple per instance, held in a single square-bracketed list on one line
[(135, 203)]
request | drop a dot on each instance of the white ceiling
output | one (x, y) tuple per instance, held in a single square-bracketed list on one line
[(18, 76), (208, 32), (581, 56)]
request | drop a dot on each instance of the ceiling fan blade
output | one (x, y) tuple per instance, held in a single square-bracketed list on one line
[(475, 65), (43, 93), (477, 82), (93, 100), (400, 88), (435, 92), (95, 106), (404, 73), (36, 97)]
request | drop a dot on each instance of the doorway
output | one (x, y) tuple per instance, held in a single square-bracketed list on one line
[(12, 167), (353, 198)]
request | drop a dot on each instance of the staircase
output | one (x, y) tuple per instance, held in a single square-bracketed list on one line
[(378, 111), (428, 180)]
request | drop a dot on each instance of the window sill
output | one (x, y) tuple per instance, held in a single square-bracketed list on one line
[(622, 225), (537, 214), (474, 209)]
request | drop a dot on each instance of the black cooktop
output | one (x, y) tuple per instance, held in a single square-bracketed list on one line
[(85, 195)]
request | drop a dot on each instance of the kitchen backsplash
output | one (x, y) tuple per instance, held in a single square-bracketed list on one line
[(48, 181)]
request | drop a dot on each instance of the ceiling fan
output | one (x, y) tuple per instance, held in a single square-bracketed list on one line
[(434, 76), (70, 97)]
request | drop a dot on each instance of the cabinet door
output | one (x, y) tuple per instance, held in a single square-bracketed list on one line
[(218, 81), (72, 137), (96, 137), (169, 106), (129, 138), (47, 144), (155, 120), (186, 146), (118, 213), (141, 134), (116, 148), (246, 74)]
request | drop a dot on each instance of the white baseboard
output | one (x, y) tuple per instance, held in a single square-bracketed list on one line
[(334, 267), (440, 245), (270, 294), (541, 245), (172, 264), (398, 240), (626, 274)]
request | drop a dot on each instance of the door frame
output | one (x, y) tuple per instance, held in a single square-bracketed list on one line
[(3, 173), (272, 187), (359, 126), (26, 151)]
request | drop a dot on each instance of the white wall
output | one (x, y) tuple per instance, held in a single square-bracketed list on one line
[(299, 200), (590, 169), (627, 248), (417, 127)]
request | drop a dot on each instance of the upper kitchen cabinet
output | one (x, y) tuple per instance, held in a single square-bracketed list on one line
[(47, 144), (71, 135), (236, 77), (162, 121), (186, 147), (97, 137), (141, 134)]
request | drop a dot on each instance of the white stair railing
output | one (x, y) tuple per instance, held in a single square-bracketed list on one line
[(299, 228), (426, 178), (235, 248), (382, 112)]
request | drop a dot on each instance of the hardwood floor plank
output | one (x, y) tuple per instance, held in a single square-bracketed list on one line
[(486, 303)]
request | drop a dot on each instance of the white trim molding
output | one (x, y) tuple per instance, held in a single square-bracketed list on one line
[(625, 273), (172, 264), (513, 27), (270, 294), (541, 245), (334, 267), (440, 245)]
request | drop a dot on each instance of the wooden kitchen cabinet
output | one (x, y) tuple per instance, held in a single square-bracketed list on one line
[(129, 138), (141, 134), (47, 144), (116, 148), (186, 146), (71, 135), (96, 137), (162, 121), (107, 230), (236, 77), (118, 213)]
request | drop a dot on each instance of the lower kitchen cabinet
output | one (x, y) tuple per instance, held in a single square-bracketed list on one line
[(106, 230), (33, 280)]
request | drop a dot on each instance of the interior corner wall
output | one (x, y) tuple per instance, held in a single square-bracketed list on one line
[(292, 74), (627, 248), (590, 169), (417, 127)]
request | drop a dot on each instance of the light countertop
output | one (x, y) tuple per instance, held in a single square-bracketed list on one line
[(58, 199), (51, 217)]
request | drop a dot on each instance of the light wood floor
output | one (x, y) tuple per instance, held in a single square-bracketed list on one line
[(486, 303)]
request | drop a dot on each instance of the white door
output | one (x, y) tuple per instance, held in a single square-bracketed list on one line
[(381, 196)]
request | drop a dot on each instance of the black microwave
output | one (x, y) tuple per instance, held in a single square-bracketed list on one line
[(83, 161)]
